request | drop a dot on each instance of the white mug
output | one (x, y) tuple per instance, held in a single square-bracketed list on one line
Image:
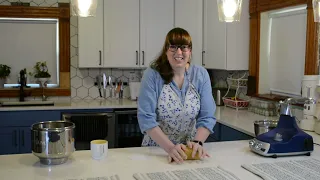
[(99, 149)]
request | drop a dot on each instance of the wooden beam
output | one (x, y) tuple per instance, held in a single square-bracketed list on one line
[(311, 57)]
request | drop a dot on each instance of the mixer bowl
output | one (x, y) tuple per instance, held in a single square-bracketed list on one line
[(53, 141), (263, 126)]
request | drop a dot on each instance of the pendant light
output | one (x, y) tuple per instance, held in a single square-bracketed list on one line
[(83, 8), (229, 10), (316, 10)]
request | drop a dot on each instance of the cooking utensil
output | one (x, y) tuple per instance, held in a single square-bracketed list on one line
[(263, 126), (53, 141), (98, 80)]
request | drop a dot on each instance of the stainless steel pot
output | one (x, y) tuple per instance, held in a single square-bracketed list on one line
[(53, 141), (264, 126)]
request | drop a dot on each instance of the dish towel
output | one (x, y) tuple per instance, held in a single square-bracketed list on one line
[(205, 173), (307, 169)]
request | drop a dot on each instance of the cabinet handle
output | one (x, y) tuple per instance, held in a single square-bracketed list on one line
[(136, 57), (15, 143), (22, 137), (142, 57), (99, 57), (203, 64)]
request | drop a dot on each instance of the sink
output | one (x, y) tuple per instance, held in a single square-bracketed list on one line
[(26, 103)]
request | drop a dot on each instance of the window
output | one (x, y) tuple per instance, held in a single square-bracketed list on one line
[(282, 51), (25, 41)]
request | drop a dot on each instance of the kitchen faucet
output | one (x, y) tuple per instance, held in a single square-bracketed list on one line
[(22, 94)]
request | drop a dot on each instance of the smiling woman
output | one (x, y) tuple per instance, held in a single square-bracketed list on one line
[(60, 64)]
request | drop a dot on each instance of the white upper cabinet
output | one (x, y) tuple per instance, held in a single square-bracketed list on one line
[(131, 33), (226, 45), (121, 33), (188, 15), (135, 31), (238, 36), (90, 39), (156, 19), (214, 37)]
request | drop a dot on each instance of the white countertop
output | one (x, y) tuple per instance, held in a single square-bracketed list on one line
[(79, 104), (127, 161), (243, 121)]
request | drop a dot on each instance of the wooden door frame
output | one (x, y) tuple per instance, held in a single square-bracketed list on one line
[(311, 53)]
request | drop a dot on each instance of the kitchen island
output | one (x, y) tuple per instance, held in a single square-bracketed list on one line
[(127, 161)]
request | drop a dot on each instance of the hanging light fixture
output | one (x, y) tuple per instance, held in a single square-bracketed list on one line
[(316, 10), (83, 8), (229, 10)]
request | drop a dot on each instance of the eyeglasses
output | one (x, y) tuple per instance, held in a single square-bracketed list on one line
[(174, 48)]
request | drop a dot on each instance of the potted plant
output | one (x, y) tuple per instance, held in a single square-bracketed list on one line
[(4, 73), (40, 72)]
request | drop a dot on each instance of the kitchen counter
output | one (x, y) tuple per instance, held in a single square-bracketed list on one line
[(241, 120), (79, 104), (127, 161)]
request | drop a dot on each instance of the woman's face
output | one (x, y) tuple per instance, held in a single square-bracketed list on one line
[(178, 55)]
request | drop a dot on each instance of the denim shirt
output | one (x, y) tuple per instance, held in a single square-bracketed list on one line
[(152, 84)]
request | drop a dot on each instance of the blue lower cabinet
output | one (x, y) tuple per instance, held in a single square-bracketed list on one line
[(230, 134), (25, 140), (9, 140), (15, 129), (15, 140)]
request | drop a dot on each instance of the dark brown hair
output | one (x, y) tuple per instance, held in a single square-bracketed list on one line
[(176, 36)]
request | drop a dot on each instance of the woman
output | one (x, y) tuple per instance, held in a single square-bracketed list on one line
[(175, 104)]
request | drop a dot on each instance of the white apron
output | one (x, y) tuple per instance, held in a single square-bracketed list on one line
[(176, 120)]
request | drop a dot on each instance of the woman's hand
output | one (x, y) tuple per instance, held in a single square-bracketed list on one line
[(177, 153), (196, 147)]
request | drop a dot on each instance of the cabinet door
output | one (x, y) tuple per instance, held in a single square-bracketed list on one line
[(238, 35), (214, 38), (90, 39), (9, 140), (25, 140), (121, 33), (188, 15), (156, 21)]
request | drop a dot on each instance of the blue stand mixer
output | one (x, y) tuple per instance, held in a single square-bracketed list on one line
[(287, 139)]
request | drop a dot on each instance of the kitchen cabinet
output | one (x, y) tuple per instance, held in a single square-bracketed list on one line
[(121, 33), (25, 140), (9, 140), (15, 140), (225, 45), (156, 21), (188, 15), (90, 39), (15, 129), (135, 31), (125, 33)]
